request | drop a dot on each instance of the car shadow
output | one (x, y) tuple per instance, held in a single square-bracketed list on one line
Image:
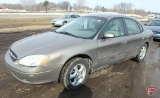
[(83, 92), (156, 40)]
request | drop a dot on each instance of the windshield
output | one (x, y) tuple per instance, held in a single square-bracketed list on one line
[(64, 17), (154, 23), (83, 27)]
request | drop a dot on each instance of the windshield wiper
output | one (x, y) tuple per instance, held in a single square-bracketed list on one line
[(66, 33)]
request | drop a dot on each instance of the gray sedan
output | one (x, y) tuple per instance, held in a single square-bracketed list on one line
[(83, 46)]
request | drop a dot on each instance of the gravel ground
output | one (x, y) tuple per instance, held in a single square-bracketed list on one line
[(125, 80)]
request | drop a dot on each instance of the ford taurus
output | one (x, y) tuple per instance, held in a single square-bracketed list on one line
[(69, 54)]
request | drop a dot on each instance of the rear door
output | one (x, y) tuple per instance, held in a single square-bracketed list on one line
[(135, 37), (112, 50)]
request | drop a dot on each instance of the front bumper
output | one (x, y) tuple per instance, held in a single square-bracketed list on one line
[(32, 75), (57, 24)]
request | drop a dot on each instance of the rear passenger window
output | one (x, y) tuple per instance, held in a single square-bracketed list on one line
[(132, 26)]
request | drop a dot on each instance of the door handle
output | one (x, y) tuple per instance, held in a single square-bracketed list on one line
[(142, 37), (124, 42)]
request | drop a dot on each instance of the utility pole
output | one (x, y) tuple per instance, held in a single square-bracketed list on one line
[(61, 4), (97, 6)]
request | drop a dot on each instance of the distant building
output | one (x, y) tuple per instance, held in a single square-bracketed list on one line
[(2, 7), (151, 16)]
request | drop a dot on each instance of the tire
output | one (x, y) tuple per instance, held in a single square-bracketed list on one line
[(143, 51), (64, 22), (74, 73)]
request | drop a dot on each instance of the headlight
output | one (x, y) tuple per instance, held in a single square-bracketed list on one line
[(34, 60)]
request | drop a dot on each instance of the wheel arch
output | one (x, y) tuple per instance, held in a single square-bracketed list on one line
[(147, 44), (84, 56)]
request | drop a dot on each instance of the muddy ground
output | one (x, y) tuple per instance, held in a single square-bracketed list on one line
[(125, 80)]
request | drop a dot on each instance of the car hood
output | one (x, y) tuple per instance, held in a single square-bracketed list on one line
[(45, 44), (154, 28)]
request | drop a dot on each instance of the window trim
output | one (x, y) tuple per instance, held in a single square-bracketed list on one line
[(135, 22), (140, 26)]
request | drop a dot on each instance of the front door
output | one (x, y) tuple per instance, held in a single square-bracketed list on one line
[(112, 50)]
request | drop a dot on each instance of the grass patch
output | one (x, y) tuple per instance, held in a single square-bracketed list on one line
[(22, 21)]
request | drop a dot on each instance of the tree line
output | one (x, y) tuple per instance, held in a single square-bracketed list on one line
[(80, 5)]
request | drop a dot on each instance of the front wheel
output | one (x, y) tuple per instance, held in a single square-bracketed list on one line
[(140, 57), (74, 73), (64, 23)]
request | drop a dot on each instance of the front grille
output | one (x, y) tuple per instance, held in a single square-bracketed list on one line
[(53, 23), (12, 55)]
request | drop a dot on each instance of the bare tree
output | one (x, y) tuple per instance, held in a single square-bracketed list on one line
[(65, 5), (129, 7), (13, 6), (29, 5), (81, 4), (59, 6), (123, 7), (74, 6), (46, 3), (52, 6), (140, 12), (40, 6), (115, 8)]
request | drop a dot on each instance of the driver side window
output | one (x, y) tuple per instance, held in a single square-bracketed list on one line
[(115, 26)]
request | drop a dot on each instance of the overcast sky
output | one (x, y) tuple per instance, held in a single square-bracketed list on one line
[(148, 5)]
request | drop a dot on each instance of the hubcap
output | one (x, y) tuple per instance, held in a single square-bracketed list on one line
[(143, 52), (77, 74)]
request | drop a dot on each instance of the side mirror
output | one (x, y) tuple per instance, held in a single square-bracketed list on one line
[(108, 35)]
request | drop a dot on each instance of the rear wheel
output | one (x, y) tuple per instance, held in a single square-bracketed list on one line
[(140, 57), (74, 73)]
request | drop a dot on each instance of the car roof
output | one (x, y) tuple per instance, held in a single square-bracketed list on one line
[(107, 15), (156, 19)]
